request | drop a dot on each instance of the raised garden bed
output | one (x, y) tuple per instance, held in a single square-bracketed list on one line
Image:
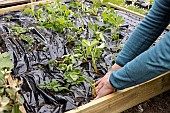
[(56, 65)]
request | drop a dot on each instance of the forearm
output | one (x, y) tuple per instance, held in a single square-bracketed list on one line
[(146, 66), (147, 32)]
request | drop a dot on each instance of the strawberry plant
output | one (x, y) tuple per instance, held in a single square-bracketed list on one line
[(10, 99), (92, 49), (53, 86)]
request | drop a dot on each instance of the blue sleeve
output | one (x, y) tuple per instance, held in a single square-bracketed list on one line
[(140, 64), (147, 32)]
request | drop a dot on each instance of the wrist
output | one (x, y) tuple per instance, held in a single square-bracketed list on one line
[(115, 67)]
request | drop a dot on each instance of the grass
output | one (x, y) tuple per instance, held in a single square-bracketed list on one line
[(130, 7)]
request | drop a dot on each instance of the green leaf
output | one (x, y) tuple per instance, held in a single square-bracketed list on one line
[(78, 55), (102, 37), (62, 67), (94, 43), (69, 67), (1, 91), (27, 11), (101, 46), (15, 109), (5, 61), (61, 88), (105, 0), (48, 25), (81, 79), (85, 43), (56, 89), (28, 40), (1, 75), (11, 92), (1, 83), (88, 51), (77, 70), (64, 8), (74, 77), (98, 53), (21, 99)]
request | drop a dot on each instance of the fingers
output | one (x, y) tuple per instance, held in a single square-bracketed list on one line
[(104, 88), (98, 82), (103, 92), (96, 98)]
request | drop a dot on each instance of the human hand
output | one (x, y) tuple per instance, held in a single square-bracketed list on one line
[(103, 85), (106, 89)]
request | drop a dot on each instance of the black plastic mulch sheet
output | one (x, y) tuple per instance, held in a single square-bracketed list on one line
[(32, 67)]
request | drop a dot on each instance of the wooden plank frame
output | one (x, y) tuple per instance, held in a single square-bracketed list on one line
[(21, 7), (13, 2), (120, 100)]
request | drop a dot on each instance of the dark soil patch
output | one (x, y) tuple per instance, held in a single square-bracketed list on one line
[(158, 104)]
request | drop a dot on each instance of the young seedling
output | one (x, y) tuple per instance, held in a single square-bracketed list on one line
[(18, 30)]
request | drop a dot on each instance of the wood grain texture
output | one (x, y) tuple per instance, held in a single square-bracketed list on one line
[(125, 99), (12, 2), (21, 7)]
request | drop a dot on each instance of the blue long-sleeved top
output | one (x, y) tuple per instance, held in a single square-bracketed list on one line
[(140, 63)]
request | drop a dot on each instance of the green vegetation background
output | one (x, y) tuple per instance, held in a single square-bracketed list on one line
[(130, 7)]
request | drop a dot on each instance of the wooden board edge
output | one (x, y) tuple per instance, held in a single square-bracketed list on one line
[(21, 7), (124, 9), (12, 2), (127, 10), (127, 98)]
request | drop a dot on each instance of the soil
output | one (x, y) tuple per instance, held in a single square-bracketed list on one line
[(158, 104)]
